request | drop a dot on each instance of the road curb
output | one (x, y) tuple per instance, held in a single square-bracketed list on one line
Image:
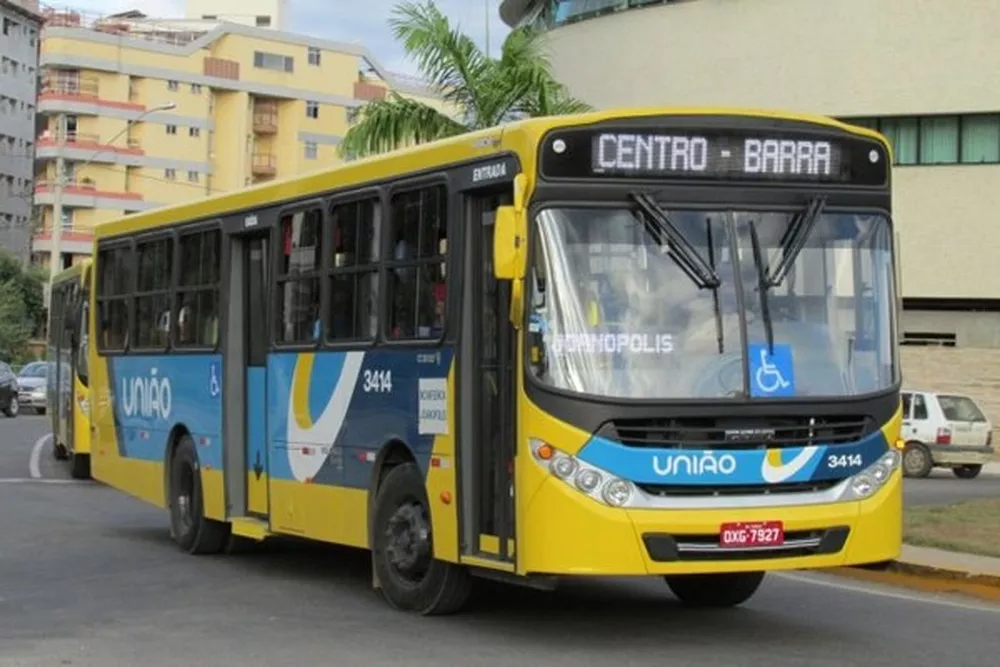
[(927, 579)]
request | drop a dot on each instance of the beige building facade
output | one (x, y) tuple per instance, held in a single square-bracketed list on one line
[(926, 73)]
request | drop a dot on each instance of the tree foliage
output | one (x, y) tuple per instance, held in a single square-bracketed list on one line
[(22, 306), (486, 91)]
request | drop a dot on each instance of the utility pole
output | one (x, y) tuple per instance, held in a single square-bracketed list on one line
[(487, 7), (55, 256)]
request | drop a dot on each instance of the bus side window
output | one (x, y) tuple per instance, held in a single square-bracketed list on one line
[(197, 298), (298, 279), (419, 232)]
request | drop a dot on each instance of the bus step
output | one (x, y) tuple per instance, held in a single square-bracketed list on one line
[(249, 527)]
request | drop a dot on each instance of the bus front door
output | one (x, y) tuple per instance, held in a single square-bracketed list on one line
[(488, 420)]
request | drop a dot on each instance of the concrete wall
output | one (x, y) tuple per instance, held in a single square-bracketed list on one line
[(968, 371), (847, 58)]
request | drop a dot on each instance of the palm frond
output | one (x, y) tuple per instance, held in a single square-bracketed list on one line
[(450, 60), (393, 122)]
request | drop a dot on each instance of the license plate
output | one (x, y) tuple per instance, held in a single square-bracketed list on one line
[(754, 534)]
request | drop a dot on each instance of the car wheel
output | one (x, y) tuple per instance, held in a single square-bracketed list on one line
[(917, 461), (13, 407), (967, 472)]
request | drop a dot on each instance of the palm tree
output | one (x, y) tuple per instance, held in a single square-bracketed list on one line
[(485, 91)]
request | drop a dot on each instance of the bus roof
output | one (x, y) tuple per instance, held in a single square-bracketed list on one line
[(74, 272), (522, 136)]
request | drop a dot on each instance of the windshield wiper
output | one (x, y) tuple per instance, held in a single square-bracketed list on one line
[(794, 239), (681, 250), (715, 291), (762, 287)]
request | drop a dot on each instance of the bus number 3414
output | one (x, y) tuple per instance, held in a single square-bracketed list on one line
[(378, 381)]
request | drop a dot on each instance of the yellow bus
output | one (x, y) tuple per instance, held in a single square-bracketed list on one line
[(68, 393), (635, 342)]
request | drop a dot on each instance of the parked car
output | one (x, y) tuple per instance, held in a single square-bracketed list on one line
[(945, 431), (32, 383), (9, 403)]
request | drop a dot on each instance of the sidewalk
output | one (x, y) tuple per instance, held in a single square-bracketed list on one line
[(951, 562), (992, 469)]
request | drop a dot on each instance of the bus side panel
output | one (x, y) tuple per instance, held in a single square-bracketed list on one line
[(330, 413), (145, 398), (81, 417)]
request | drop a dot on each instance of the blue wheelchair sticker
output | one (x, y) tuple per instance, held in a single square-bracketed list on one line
[(771, 370)]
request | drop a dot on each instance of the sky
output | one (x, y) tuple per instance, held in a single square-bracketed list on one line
[(358, 21)]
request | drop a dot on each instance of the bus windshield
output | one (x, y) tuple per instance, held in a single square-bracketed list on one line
[(616, 310)]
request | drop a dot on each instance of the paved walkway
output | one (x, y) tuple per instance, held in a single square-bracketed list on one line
[(992, 468), (950, 560)]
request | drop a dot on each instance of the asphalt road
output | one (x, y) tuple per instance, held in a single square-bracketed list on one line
[(89, 577)]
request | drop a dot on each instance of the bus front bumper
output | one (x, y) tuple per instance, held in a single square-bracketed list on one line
[(567, 533)]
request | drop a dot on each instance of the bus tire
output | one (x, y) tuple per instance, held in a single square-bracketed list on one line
[(725, 589), (79, 466), (193, 532), (410, 578), (59, 453)]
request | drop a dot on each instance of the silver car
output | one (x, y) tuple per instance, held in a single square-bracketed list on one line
[(32, 384)]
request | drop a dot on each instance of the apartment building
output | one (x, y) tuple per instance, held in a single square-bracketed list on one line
[(257, 13), (19, 27), (138, 113)]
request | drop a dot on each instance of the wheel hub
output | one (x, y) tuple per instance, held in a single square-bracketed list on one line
[(408, 546)]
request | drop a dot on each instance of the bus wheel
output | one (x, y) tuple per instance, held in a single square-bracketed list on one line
[(79, 466), (715, 590), (411, 579), (190, 529)]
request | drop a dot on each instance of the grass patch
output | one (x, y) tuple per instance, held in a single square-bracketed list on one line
[(972, 527)]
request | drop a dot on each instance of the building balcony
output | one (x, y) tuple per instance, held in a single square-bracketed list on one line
[(265, 122), (82, 146), (72, 240), (77, 94), (264, 165), (85, 194)]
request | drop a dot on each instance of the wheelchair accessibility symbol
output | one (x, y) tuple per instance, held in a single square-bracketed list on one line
[(771, 371), (214, 388)]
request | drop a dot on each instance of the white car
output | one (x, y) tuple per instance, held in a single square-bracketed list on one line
[(946, 431)]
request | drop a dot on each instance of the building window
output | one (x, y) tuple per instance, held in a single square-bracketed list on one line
[(312, 109), (171, 129), (299, 277), (416, 270), (197, 298), (311, 150), (939, 140), (173, 85), (927, 140), (154, 271), (273, 61), (170, 173), (194, 131), (193, 176), (981, 139), (314, 56), (263, 21), (353, 277), (196, 88)]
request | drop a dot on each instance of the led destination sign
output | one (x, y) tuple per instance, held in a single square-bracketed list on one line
[(715, 155), (664, 154)]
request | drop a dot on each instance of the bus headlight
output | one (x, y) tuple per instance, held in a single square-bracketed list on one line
[(867, 482), (585, 478)]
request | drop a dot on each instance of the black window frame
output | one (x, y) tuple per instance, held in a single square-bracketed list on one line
[(279, 277), (392, 190), (155, 236), (128, 246), (178, 290), (378, 195)]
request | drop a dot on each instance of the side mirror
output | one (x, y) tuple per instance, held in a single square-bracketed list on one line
[(510, 244)]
